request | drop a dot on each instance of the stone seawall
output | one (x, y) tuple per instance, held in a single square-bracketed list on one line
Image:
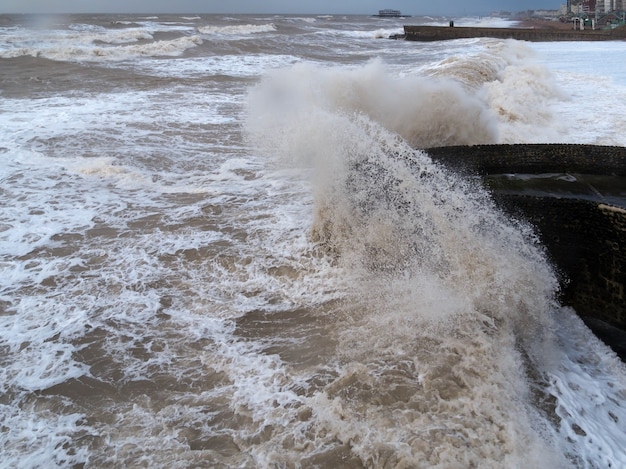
[(575, 196), (442, 33), (535, 158)]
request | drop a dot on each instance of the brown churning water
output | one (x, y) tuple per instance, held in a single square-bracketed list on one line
[(220, 248)]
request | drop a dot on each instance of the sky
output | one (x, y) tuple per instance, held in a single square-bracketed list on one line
[(365, 7)]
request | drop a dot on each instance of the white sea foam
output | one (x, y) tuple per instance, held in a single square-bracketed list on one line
[(33, 222), (94, 43), (522, 92), (593, 86), (104, 288), (38, 439), (590, 383), (381, 33), (424, 112), (295, 19), (238, 30), (539, 92), (226, 65), (39, 218)]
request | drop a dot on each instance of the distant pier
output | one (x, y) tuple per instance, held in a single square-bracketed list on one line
[(391, 14), (442, 33)]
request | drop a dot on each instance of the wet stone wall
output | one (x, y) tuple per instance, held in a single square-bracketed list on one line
[(441, 33), (575, 196)]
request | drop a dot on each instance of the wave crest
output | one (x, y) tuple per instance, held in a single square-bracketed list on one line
[(238, 30)]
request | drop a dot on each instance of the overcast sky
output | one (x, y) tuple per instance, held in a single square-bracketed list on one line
[(409, 7)]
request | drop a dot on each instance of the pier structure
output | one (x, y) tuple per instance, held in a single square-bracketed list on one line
[(442, 33), (388, 13)]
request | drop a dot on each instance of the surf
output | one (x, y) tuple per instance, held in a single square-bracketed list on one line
[(450, 300)]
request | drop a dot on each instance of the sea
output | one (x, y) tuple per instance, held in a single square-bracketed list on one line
[(223, 244)]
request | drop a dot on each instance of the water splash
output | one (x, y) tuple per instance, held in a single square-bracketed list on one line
[(448, 347)]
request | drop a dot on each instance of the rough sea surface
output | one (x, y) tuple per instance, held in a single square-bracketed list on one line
[(221, 246)]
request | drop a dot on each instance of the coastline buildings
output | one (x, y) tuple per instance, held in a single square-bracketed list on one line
[(595, 6), (594, 13), (607, 6)]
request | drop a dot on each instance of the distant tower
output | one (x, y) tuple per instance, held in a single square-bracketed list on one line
[(569, 6)]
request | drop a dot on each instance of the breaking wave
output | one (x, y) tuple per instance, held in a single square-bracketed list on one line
[(449, 342), (238, 30)]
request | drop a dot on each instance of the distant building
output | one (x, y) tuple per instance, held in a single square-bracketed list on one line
[(607, 6), (575, 7), (588, 6), (593, 6)]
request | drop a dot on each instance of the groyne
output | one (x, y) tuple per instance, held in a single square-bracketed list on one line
[(535, 158), (575, 196), (442, 33)]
